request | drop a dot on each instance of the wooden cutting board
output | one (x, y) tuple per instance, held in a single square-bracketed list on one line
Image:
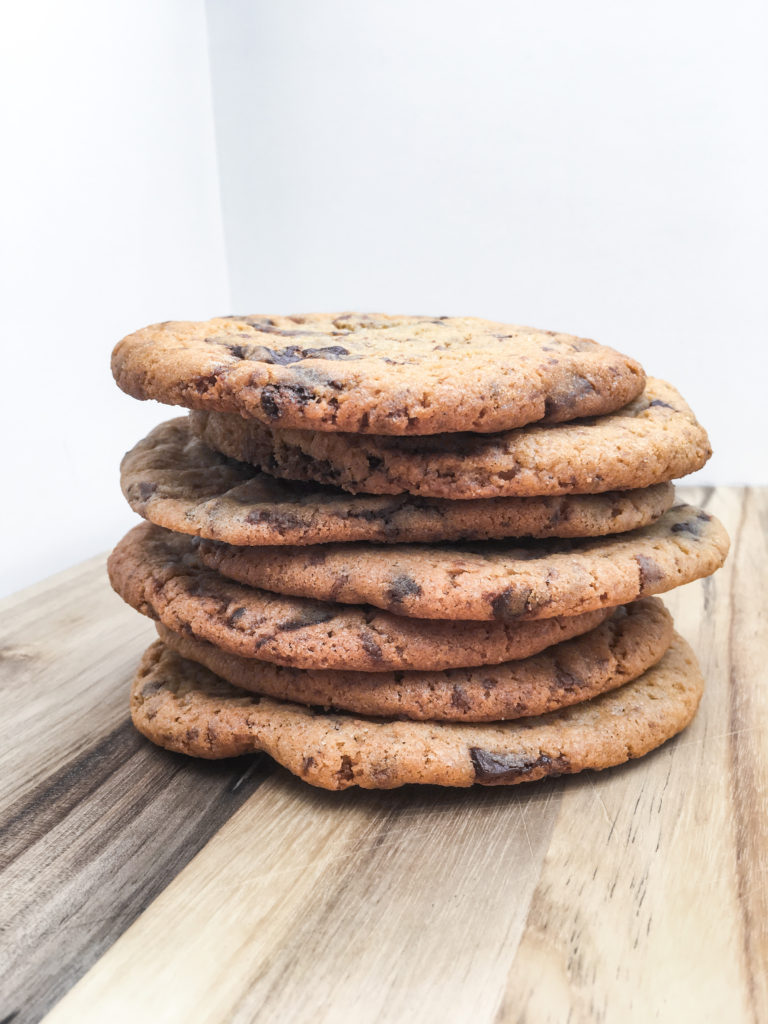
[(143, 886)]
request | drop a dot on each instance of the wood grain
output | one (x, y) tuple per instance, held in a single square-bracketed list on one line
[(93, 823), (636, 894)]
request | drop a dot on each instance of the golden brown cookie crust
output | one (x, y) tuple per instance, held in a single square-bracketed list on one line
[(174, 480), (620, 649), (159, 573), (653, 439), (376, 374), (182, 706), (489, 579)]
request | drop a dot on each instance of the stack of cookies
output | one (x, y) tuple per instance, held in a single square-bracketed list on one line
[(401, 549)]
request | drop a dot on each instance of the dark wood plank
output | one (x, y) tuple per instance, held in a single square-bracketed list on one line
[(91, 848), (94, 820)]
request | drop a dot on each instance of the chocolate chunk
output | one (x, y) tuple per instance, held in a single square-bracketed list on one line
[(269, 402), (369, 645), (306, 764), (664, 405), (510, 603), (496, 769), (152, 686), (290, 354), (275, 396), (311, 617), (278, 357), (279, 520), (403, 586), (650, 573), (330, 352), (691, 526), (367, 515), (459, 698), (235, 617), (345, 772), (204, 383), (338, 585), (225, 341), (566, 396), (566, 680)]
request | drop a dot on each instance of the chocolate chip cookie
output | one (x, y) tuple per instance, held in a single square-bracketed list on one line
[(176, 481), (488, 579), (620, 649), (376, 374), (653, 439), (159, 573), (182, 706)]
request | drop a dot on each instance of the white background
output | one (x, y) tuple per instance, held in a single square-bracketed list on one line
[(596, 168)]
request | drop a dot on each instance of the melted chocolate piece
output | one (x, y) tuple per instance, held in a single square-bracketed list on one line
[(281, 521), (510, 603), (459, 698), (566, 680), (369, 645), (403, 586), (311, 617), (235, 617), (329, 352), (367, 515), (275, 396), (204, 383), (692, 526), (567, 395), (496, 769)]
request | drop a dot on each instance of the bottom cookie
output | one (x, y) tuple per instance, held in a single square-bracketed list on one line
[(182, 706)]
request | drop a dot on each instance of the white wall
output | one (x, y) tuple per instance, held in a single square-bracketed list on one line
[(593, 167), (111, 220)]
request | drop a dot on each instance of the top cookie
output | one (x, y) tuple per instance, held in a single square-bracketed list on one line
[(376, 374)]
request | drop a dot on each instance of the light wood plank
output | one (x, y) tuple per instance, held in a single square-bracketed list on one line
[(638, 894), (68, 650), (659, 914)]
